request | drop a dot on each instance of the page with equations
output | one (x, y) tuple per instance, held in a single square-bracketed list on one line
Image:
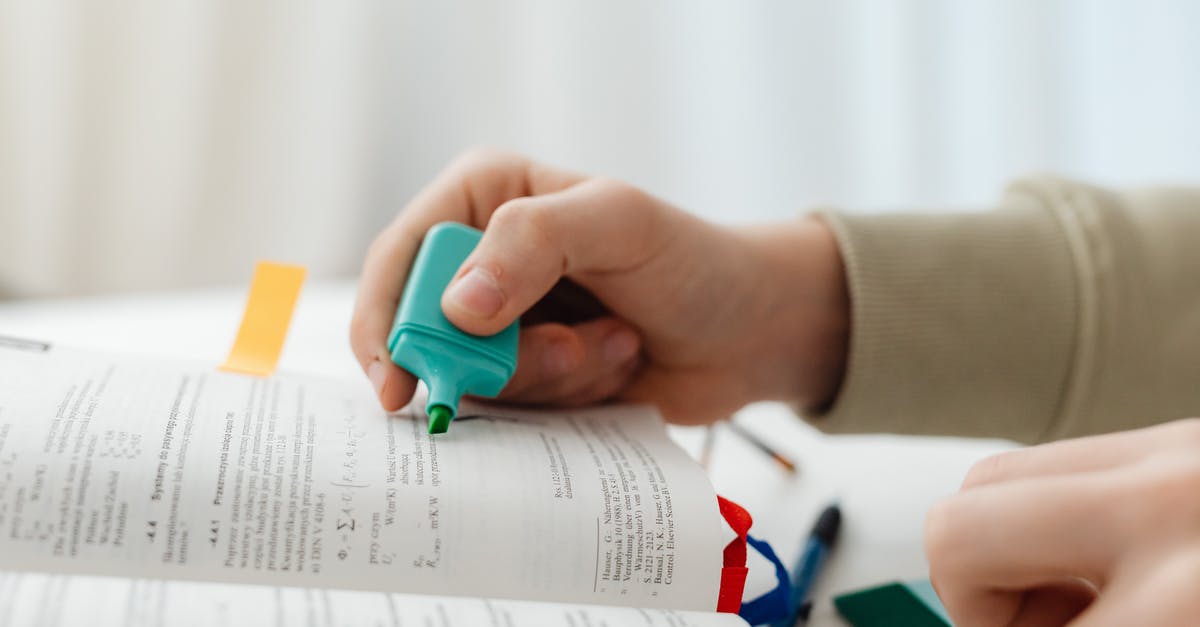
[(41, 600), (127, 466)]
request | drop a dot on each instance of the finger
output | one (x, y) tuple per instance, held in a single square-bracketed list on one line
[(596, 226), (607, 387), (467, 191), (689, 396), (1082, 454), (1161, 593), (987, 545), (558, 362), (394, 386), (1053, 606)]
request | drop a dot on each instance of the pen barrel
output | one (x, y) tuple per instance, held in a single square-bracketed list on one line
[(802, 581), (820, 541), (815, 553)]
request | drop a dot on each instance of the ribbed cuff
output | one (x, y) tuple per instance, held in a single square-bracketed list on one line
[(962, 324)]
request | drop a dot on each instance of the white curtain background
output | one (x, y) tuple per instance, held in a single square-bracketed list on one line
[(148, 144)]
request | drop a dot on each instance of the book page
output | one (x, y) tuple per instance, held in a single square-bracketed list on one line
[(42, 600), (136, 467)]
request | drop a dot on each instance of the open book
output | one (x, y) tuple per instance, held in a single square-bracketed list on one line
[(138, 492)]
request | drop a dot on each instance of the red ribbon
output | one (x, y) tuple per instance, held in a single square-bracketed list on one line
[(734, 571)]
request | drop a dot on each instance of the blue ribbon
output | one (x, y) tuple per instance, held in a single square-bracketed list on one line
[(773, 605)]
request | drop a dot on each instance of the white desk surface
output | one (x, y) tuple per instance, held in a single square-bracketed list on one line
[(883, 483)]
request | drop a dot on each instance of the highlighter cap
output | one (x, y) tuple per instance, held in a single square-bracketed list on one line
[(424, 342)]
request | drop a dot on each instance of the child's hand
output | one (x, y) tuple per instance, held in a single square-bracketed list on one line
[(660, 306), (1102, 530)]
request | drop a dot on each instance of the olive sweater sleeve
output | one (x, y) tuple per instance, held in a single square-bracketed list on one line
[(1067, 310)]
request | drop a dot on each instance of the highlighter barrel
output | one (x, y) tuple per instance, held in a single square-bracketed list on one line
[(424, 342)]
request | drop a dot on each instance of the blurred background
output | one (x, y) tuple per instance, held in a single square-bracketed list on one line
[(148, 145)]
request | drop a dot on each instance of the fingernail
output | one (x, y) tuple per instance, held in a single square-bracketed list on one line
[(377, 373), (557, 360), (477, 293), (620, 345)]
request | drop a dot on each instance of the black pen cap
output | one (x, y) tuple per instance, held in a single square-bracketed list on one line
[(826, 528)]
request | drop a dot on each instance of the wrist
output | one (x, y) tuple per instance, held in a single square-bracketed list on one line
[(807, 311)]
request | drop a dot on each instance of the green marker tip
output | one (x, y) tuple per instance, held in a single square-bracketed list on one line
[(439, 418)]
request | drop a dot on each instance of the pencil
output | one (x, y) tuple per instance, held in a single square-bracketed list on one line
[(706, 449), (757, 442)]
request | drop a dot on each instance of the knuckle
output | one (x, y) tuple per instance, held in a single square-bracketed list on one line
[(623, 195), (989, 469), (476, 154), (508, 215), (644, 216), (522, 214), (478, 158)]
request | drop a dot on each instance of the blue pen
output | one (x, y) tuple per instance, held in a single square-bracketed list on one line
[(812, 558)]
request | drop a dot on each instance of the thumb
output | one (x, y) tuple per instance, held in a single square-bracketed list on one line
[(530, 243)]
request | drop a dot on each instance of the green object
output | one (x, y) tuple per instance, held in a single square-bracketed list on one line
[(910, 604), (439, 418), (450, 362)]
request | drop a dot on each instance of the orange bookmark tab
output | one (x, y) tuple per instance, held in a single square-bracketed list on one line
[(265, 321)]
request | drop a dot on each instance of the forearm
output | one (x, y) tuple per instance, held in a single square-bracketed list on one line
[(1067, 310)]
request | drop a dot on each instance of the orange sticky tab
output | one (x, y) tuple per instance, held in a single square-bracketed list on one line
[(265, 321)]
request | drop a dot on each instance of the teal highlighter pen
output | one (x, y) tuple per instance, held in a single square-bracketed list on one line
[(423, 341)]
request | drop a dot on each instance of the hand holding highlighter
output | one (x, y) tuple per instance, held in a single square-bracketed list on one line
[(622, 297)]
